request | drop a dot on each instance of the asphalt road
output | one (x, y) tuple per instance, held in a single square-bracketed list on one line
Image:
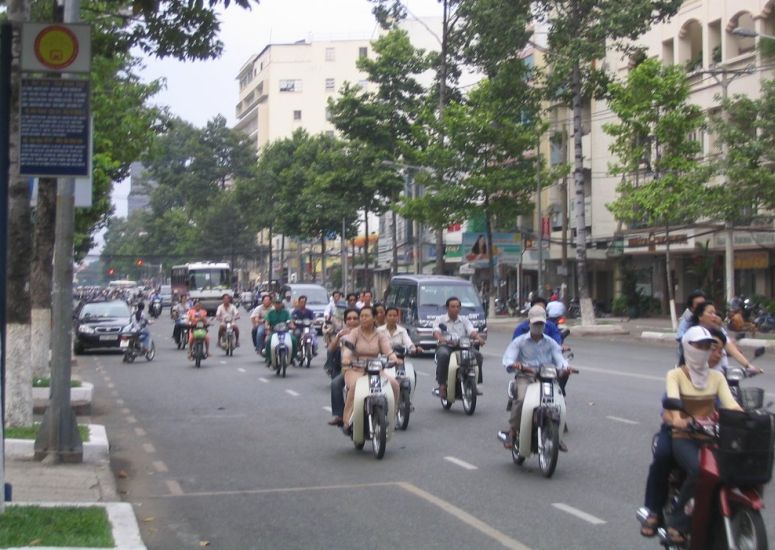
[(235, 457)]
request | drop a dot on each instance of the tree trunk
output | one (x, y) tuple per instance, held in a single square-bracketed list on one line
[(587, 310), (439, 269), (271, 258), (18, 382), (282, 259), (366, 284), (41, 279), (302, 272), (394, 267), (323, 259), (490, 295), (669, 277)]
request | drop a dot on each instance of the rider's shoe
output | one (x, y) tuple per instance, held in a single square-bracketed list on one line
[(563, 447), (478, 391)]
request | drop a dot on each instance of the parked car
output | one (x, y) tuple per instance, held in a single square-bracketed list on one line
[(422, 298), (317, 300), (98, 324), (165, 291)]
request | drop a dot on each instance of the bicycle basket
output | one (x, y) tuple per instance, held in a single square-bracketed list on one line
[(745, 451), (200, 333), (752, 398)]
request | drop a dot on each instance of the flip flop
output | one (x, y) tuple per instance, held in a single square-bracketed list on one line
[(650, 528)]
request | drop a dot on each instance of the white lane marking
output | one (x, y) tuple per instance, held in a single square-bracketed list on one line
[(421, 373), (264, 380), (241, 370), (131, 419), (622, 420), (327, 408), (107, 378), (589, 518), (461, 463), (126, 411), (119, 402), (293, 393), (114, 393), (140, 432), (149, 448), (620, 373), (160, 466), (465, 517), (223, 362), (174, 487), (111, 385)]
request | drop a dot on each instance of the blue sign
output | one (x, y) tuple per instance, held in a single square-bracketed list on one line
[(54, 127)]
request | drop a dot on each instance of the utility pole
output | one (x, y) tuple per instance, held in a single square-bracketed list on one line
[(539, 216), (343, 250), (58, 436)]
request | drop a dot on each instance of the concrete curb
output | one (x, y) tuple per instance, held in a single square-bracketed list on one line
[(126, 531), (598, 330), (80, 398), (95, 450), (745, 343)]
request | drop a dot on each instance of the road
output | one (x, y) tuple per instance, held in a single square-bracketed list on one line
[(235, 457)]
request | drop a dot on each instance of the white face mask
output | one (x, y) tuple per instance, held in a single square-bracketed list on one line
[(697, 363), (536, 329)]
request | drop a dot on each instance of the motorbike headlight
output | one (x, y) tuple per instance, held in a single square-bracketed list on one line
[(86, 329), (735, 374), (425, 324)]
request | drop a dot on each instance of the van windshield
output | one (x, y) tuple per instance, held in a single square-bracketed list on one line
[(315, 296), (436, 295)]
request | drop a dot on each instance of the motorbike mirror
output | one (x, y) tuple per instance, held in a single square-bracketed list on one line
[(670, 404), (443, 327), (758, 352)]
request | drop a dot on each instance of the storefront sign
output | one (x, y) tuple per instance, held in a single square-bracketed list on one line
[(453, 252), (507, 248), (652, 241), (752, 259)]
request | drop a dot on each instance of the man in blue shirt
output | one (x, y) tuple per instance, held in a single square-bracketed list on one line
[(550, 329), (524, 355), (299, 314)]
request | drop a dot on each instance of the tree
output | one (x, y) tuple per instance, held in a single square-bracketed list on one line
[(579, 33), (663, 174)]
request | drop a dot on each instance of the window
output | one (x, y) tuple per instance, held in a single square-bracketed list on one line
[(296, 115), (363, 52), (330, 54), (290, 85), (330, 84)]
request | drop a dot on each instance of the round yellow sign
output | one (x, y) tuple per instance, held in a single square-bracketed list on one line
[(56, 47)]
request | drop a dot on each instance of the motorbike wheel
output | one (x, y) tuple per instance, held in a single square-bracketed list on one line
[(151, 353), (198, 355), (403, 411), (548, 448), (129, 356), (748, 529), (307, 355), (468, 395), (359, 446), (277, 363), (379, 434), (284, 362)]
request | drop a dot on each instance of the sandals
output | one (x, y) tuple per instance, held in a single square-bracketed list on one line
[(675, 536), (649, 528)]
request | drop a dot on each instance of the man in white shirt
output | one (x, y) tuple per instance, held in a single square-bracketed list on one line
[(227, 312), (457, 326), (257, 321)]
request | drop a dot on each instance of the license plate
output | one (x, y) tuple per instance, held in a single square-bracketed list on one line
[(108, 337), (124, 344)]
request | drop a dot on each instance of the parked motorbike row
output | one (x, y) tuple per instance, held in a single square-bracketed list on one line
[(754, 312)]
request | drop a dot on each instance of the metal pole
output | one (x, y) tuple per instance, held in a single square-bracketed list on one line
[(729, 251), (540, 222), (343, 251), (58, 435)]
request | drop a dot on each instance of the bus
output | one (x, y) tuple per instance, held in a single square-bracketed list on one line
[(203, 281), (121, 284)]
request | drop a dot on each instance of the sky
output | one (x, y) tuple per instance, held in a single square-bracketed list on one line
[(198, 91)]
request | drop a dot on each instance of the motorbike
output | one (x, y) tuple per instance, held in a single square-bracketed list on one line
[(462, 375), (374, 406), (198, 351), (280, 348), (130, 344), (155, 309), (745, 397), (183, 334), (305, 343), (405, 374), (764, 320), (227, 340), (543, 420), (735, 464)]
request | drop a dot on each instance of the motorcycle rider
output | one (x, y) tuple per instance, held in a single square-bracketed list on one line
[(705, 315), (699, 388), (398, 335), (225, 311), (299, 314), (140, 323), (334, 362), (694, 300), (550, 328), (379, 318), (278, 315), (195, 314), (457, 326), (257, 317), (334, 310), (524, 355), (365, 300), (178, 314), (368, 343), (555, 309), (352, 301)]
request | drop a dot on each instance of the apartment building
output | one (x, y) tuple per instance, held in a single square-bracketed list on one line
[(700, 38)]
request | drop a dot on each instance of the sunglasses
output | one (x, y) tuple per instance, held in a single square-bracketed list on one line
[(704, 344)]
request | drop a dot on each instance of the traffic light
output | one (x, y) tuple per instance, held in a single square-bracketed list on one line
[(139, 262)]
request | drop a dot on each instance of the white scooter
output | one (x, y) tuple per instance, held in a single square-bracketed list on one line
[(374, 408), (280, 348), (462, 374), (543, 420), (405, 374)]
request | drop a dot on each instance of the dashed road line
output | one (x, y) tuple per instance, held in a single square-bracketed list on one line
[(160, 466), (293, 393), (240, 369), (622, 420), (327, 408), (149, 448), (111, 385), (421, 373), (461, 463), (589, 518), (222, 362), (131, 419), (140, 432), (174, 487), (126, 411), (264, 380), (119, 402), (114, 393), (620, 373)]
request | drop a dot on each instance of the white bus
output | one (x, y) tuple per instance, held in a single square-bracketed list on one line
[(203, 281), (121, 284)]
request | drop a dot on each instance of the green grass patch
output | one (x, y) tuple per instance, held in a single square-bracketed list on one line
[(31, 432), (56, 526), (46, 382)]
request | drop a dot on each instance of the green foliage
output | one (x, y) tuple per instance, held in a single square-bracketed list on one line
[(663, 177), (80, 527)]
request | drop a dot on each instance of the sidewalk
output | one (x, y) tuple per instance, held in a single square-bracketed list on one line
[(33, 481)]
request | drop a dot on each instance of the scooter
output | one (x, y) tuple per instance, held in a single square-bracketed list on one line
[(462, 375), (199, 333), (374, 407), (280, 348), (130, 344), (543, 420), (405, 374), (734, 466), (155, 309), (305, 344), (227, 340)]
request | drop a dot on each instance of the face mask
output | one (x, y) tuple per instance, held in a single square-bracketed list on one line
[(697, 363), (536, 329)]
